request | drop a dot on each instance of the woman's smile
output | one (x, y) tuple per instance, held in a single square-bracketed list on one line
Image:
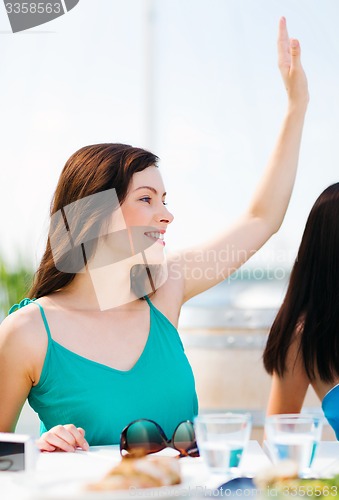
[(157, 236)]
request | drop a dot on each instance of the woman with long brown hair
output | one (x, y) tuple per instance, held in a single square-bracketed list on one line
[(89, 354), (303, 344)]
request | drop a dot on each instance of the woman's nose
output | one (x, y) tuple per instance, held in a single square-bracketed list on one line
[(166, 216)]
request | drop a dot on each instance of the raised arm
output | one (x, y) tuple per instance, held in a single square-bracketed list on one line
[(221, 257), (270, 200)]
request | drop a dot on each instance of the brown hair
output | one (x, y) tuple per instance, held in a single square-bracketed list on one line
[(90, 170)]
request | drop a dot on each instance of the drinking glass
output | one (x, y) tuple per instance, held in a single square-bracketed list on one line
[(221, 439), (294, 437)]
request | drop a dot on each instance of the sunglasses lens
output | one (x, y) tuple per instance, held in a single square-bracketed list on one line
[(184, 439), (144, 436)]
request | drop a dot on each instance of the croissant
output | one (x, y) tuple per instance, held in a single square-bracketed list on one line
[(146, 472)]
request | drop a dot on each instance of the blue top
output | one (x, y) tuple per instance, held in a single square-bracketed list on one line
[(75, 390), (330, 406)]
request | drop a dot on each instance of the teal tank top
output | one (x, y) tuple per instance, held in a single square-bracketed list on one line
[(330, 406), (75, 390)]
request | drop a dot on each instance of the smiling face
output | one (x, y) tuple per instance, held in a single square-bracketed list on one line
[(145, 206), (131, 245)]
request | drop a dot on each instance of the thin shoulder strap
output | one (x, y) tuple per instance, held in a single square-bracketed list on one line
[(148, 300), (24, 303)]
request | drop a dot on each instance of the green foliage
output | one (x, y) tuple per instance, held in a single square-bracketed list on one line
[(15, 282)]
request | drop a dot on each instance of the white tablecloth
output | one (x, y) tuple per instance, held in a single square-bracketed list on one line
[(56, 474), (326, 461), (59, 476)]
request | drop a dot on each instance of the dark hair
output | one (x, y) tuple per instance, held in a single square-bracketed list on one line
[(91, 170), (312, 298)]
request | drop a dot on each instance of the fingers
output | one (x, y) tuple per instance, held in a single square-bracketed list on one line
[(295, 53), (290, 66), (288, 49), (79, 436), (63, 438), (283, 39), (284, 58), (43, 444)]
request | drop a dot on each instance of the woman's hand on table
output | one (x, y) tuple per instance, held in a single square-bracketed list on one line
[(63, 438)]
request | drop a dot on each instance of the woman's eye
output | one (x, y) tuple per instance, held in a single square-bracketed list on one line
[(147, 199)]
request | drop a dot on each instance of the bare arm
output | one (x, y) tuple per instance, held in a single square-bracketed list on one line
[(21, 359), (288, 392), (221, 257), (15, 375)]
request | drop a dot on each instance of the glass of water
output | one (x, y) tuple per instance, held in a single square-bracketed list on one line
[(294, 437), (221, 439)]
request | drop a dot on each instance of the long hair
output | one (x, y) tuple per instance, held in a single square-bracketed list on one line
[(90, 170), (311, 304)]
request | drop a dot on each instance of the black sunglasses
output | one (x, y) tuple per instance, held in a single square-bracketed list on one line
[(144, 436)]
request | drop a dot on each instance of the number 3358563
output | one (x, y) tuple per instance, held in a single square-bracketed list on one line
[(33, 8)]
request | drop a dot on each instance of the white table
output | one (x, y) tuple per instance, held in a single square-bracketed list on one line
[(61, 468), (84, 467), (326, 461)]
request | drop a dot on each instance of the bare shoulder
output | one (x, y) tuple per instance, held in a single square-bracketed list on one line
[(22, 331)]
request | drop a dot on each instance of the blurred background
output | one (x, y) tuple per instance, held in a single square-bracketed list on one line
[(195, 81)]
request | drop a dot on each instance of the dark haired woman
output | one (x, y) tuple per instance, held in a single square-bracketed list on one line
[(88, 353), (303, 344)]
